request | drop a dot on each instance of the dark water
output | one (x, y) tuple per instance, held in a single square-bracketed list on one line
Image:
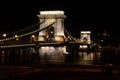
[(16, 56), (88, 58), (25, 56), (30, 56)]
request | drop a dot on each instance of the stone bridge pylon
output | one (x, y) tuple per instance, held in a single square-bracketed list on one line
[(54, 19)]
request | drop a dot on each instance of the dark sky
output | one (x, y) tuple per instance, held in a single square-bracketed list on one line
[(94, 16)]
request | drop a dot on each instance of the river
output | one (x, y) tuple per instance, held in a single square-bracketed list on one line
[(28, 57)]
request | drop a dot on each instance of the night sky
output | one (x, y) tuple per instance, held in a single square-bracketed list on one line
[(95, 16)]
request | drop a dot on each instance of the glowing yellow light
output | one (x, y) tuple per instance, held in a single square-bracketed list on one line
[(64, 49), (59, 38), (85, 32), (41, 38), (33, 36), (83, 46), (16, 36), (102, 40), (4, 35), (51, 12), (51, 32), (47, 36)]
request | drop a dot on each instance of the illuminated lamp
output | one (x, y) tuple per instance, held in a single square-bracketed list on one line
[(59, 38), (41, 38), (87, 32), (52, 12)]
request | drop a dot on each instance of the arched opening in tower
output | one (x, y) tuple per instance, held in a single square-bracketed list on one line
[(50, 34)]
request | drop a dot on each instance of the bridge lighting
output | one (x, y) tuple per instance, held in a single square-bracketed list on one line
[(102, 40), (52, 12), (87, 32), (4, 35), (51, 32), (16, 36), (68, 36), (33, 36), (59, 38), (47, 36), (83, 46)]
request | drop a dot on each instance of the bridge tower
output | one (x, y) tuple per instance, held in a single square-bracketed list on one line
[(54, 19), (85, 36)]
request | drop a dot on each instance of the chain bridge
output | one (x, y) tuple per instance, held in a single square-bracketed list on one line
[(50, 31), (47, 38)]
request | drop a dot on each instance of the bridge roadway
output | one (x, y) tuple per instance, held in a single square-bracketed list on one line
[(41, 44), (58, 72)]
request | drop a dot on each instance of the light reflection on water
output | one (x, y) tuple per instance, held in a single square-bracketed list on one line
[(50, 54), (88, 58), (57, 55)]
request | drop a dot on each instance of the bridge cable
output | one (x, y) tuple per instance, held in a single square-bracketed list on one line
[(26, 28), (68, 33), (28, 33)]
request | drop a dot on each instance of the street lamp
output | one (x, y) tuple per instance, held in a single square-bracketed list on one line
[(4, 35), (33, 37), (16, 36)]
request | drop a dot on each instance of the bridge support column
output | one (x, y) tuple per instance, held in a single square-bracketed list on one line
[(48, 17), (85, 36)]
